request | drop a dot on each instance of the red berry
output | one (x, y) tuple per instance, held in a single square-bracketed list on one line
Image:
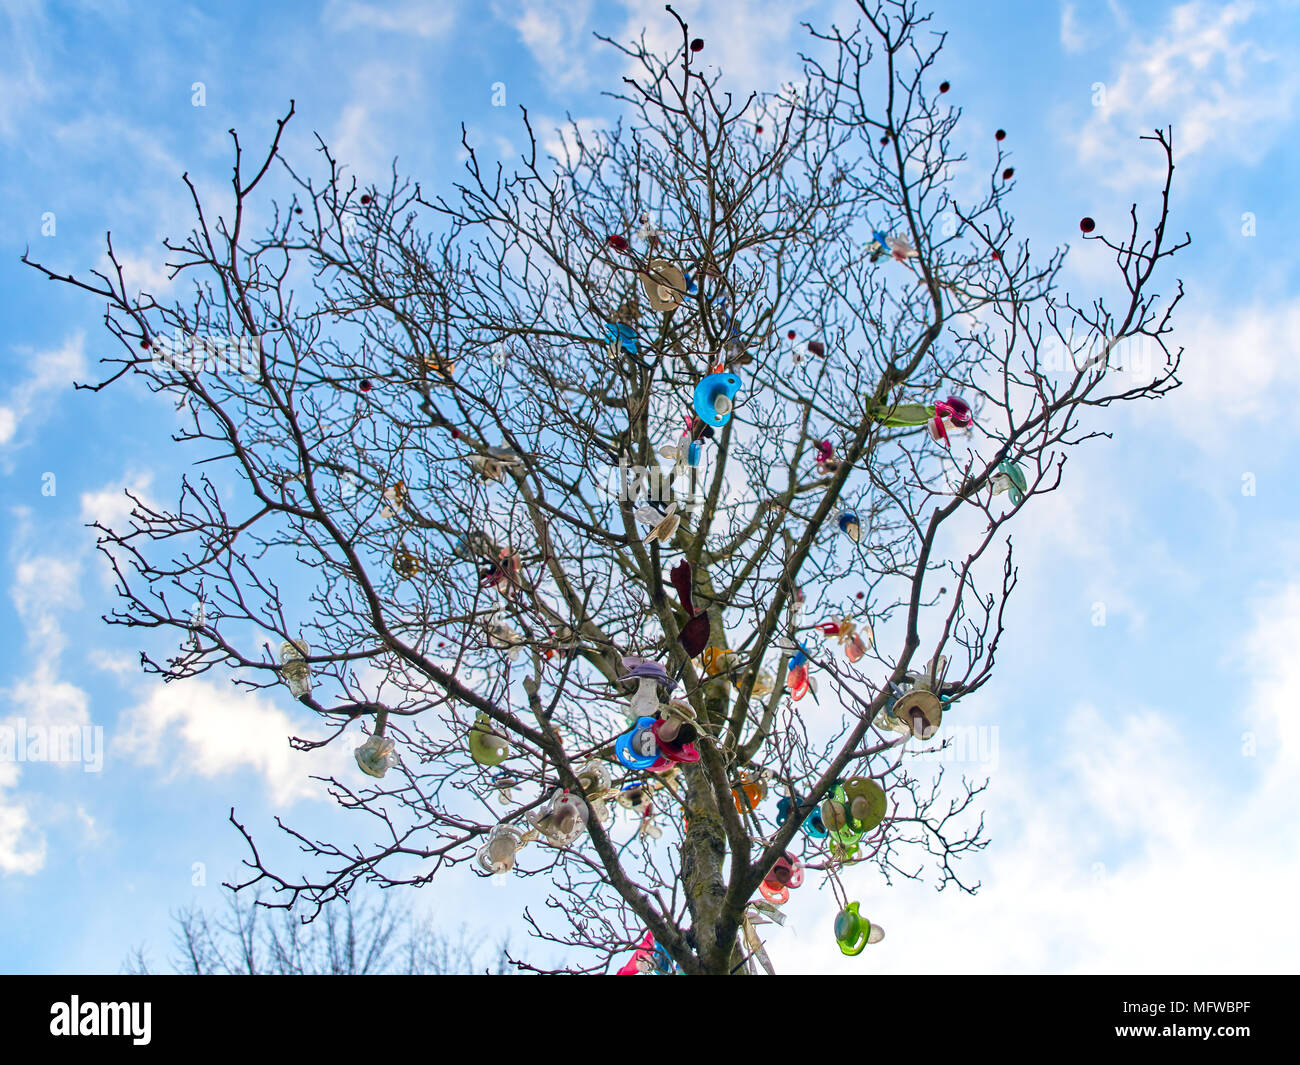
[(1001, 134), (617, 242), (1006, 174), (697, 45), (997, 255), (297, 210), (759, 129), (790, 335), (144, 344), (366, 385), (455, 434), (944, 86), (884, 139), (1087, 225), (365, 199), (441, 643)]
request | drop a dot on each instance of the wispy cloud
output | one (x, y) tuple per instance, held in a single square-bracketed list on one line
[(1228, 96), (45, 586), (1240, 361), (207, 729), (1073, 38), (557, 34), (30, 399), (412, 17)]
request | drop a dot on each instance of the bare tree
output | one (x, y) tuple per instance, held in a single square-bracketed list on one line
[(769, 331), (360, 937)]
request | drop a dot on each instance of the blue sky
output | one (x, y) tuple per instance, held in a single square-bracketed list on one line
[(1147, 769)]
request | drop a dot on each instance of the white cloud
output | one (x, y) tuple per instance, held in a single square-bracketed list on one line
[(22, 848), (44, 586), (1229, 99), (755, 43), (361, 140), (562, 140), (111, 505), (1239, 364), (22, 84), (412, 17), (1073, 38), (142, 273), (48, 374), (556, 34), (209, 729), (1129, 855)]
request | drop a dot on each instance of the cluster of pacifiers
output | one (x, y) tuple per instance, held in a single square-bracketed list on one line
[(916, 706), (649, 959), (845, 632), (852, 808), (560, 821), (797, 681), (658, 744), (661, 736)]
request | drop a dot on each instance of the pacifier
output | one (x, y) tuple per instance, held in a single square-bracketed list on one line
[(620, 335), (827, 463), (919, 708), (717, 660), (920, 711), (634, 796), (845, 631), (714, 395), (594, 778), (663, 524), (797, 681), (813, 825), (838, 817), (853, 931), (1010, 478), (750, 792), (405, 564), (642, 960), (502, 637), (865, 802), (376, 756), (952, 412), (650, 677), (638, 749), (787, 873), (485, 746), (849, 525), (900, 249), (395, 500), (497, 855), (679, 743), (596, 785), (505, 782), (664, 284), (562, 820), (294, 666)]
